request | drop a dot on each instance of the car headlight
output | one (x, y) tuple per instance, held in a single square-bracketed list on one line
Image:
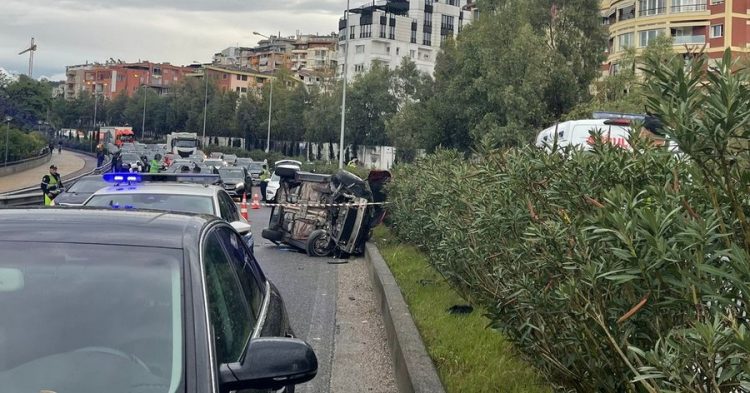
[(239, 185)]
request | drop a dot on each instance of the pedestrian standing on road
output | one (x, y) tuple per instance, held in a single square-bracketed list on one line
[(116, 162), (265, 177), (59, 147), (52, 185), (99, 155)]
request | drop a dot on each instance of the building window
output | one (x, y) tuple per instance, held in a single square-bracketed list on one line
[(392, 32), (244, 77), (688, 5), (359, 49), (625, 41), (239, 77), (359, 67), (717, 31), (427, 39), (237, 89), (428, 19), (397, 51), (382, 31), (647, 36), (388, 50), (651, 7), (412, 53), (243, 90), (365, 31), (428, 2), (351, 33), (714, 2), (413, 36)]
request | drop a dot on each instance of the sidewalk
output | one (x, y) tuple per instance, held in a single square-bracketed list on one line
[(67, 163)]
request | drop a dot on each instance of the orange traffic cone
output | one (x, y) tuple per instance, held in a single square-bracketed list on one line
[(243, 206), (256, 202)]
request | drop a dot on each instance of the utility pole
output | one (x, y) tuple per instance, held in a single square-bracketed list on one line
[(93, 128), (270, 105), (343, 97), (205, 104), (143, 123), (7, 134)]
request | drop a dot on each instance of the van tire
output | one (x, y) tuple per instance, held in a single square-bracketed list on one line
[(286, 172), (272, 235), (319, 244)]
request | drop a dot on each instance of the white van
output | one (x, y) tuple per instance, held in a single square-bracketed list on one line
[(577, 133)]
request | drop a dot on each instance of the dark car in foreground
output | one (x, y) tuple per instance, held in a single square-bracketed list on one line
[(79, 191), (324, 214), (166, 303)]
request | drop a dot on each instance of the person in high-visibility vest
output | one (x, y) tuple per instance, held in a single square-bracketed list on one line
[(264, 177), (153, 165), (52, 185), (353, 163)]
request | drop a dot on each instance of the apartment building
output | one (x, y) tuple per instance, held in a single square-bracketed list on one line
[(232, 78), (115, 77), (386, 31), (712, 25)]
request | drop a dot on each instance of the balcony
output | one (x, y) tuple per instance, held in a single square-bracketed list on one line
[(689, 39), (689, 8), (652, 11)]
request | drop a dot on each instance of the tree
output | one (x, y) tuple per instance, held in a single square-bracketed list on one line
[(369, 103)]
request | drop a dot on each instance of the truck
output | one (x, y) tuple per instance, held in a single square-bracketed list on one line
[(183, 144), (116, 135)]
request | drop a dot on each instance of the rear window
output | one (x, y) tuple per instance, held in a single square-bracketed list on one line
[(88, 185), (165, 202)]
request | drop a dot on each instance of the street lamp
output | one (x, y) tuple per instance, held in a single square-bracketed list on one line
[(270, 101), (96, 102), (343, 97), (8, 119), (205, 100)]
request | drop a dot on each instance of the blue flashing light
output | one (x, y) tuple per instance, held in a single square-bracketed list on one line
[(122, 177)]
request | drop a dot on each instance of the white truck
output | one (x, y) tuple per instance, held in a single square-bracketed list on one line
[(183, 144)]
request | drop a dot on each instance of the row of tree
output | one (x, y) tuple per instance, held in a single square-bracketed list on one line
[(520, 66)]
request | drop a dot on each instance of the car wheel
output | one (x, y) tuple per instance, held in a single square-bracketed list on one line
[(272, 235), (319, 244)]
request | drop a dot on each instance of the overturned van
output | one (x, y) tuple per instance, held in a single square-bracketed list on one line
[(326, 214)]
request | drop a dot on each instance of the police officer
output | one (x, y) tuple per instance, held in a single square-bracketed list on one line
[(264, 177), (153, 165), (52, 185), (353, 163)]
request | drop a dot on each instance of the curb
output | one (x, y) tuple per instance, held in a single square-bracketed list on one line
[(413, 367)]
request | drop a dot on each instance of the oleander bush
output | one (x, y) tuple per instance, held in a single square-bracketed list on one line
[(612, 270)]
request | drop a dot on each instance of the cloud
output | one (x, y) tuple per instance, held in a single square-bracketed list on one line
[(178, 31)]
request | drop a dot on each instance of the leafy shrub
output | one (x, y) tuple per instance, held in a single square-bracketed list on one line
[(21, 145), (611, 270)]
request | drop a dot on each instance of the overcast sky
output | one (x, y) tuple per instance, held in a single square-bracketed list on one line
[(71, 32)]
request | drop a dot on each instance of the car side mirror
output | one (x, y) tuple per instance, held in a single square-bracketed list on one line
[(242, 228), (270, 363)]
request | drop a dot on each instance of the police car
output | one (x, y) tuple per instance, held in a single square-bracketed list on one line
[(183, 193), (167, 303)]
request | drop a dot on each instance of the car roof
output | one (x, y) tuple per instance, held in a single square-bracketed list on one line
[(102, 226), (162, 188)]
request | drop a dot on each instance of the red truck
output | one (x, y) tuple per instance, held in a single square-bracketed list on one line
[(116, 135)]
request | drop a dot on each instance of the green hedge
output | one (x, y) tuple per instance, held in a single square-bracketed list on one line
[(21, 145), (611, 270)]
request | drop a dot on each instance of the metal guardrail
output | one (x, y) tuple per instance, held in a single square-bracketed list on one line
[(11, 163), (33, 195)]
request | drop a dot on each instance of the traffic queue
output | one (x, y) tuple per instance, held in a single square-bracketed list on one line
[(143, 279)]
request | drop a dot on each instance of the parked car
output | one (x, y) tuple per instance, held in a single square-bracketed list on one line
[(216, 154), (78, 192), (577, 133), (230, 159), (324, 214), (168, 303), (215, 162), (132, 161)]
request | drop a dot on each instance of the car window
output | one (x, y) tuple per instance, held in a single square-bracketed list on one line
[(227, 207), (88, 185), (253, 284), (231, 316)]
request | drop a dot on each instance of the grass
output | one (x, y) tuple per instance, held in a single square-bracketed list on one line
[(469, 357)]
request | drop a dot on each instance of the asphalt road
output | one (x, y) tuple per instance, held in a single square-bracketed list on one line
[(309, 287)]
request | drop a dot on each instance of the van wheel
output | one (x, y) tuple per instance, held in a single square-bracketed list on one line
[(319, 244), (272, 235)]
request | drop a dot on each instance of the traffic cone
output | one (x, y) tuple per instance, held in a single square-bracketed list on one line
[(243, 206), (256, 202)]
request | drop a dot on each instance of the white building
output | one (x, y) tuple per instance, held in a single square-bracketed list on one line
[(386, 31)]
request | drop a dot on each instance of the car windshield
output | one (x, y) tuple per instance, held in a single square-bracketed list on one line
[(185, 143), (88, 185), (275, 177), (231, 173), (80, 325), (255, 166), (164, 202)]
